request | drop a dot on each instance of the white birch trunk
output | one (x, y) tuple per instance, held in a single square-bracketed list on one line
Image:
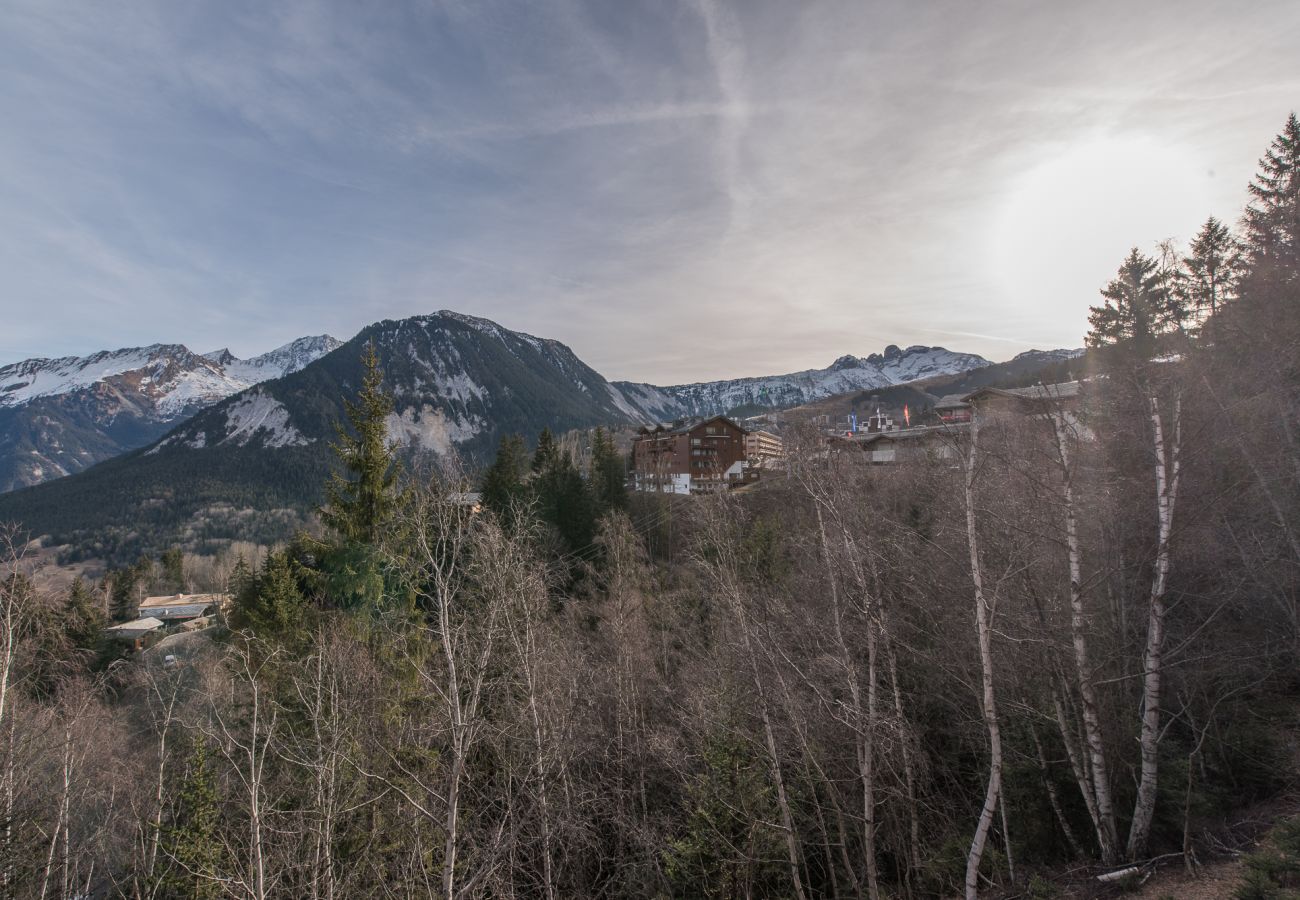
[(1167, 472), (1104, 819), (988, 698)]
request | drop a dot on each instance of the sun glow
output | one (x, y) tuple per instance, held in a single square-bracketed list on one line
[(1066, 223)]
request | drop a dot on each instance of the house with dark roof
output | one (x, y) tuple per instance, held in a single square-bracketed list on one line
[(690, 457)]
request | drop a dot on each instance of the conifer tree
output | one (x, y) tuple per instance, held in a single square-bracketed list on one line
[(545, 451), (1272, 219), (1212, 270), (191, 840), (361, 504), (608, 473), (274, 606), (173, 568), (503, 482), (564, 500), (83, 620), (1138, 309)]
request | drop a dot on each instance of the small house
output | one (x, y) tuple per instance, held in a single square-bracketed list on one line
[(135, 631)]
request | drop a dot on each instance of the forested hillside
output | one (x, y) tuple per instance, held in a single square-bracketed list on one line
[(1067, 648)]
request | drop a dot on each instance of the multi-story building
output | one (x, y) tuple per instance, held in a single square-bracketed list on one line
[(762, 447), (690, 458)]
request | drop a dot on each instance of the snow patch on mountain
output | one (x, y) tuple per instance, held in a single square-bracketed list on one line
[(255, 413), (428, 428)]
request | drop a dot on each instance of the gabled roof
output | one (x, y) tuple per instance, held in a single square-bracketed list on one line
[(688, 425), (1065, 390), (146, 624), (951, 401), (183, 600), (911, 434)]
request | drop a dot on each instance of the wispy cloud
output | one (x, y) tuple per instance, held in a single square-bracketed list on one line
[(679, 190)]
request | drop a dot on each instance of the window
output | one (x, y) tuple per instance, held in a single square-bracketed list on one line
[(695, 442)]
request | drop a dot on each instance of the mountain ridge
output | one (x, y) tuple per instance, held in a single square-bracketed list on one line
[(61, 415)]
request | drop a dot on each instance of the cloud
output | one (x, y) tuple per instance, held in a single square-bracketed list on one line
[(680, 191)]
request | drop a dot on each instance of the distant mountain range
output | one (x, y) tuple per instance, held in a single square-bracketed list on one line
[(848, 373), (182, 432), (59, 416)]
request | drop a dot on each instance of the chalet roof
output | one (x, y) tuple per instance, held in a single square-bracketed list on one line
[(143, 626), (687, 425), (911, 434), (184, 600), (951, 401), (1063, 391)]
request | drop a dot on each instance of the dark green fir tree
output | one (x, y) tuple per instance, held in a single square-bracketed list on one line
[(190, 841), (361, 502), (504, 488)]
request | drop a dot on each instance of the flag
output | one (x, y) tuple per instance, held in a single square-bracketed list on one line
[(907, 417)]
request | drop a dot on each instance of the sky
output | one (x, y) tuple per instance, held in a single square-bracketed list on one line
[(679, 191)]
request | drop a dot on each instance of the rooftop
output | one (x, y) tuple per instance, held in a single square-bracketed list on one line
[(1063, 391), (148, 623), (184, 600)]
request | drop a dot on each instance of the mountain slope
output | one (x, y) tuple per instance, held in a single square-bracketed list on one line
[(848, 373), (458, 382), (59, 416)]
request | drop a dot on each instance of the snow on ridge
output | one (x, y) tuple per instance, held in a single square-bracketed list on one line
[(32, 378), (847, 373), (171, 376)]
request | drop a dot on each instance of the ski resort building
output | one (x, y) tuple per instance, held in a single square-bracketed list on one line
[(695, 457), (762, 447)]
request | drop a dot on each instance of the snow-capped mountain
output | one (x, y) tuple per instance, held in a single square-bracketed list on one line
[(59, 416), (848, 373), (458, 383)]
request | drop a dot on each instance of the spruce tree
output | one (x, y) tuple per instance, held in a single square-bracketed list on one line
[(1272, 219), (503, 482), (274, 606), (1212, 270), (545, 451), (173, 568), (361, 505), (608, 473), (1138, 309), (191, 838), (564, 500), (83, 620)]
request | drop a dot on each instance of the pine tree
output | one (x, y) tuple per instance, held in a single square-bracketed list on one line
[(1272, 220), (1211, 272), (503, 482), (545, 451), (360, 508), (1138, 309)]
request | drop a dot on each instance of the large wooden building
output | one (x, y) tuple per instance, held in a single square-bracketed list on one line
[(690, 458)]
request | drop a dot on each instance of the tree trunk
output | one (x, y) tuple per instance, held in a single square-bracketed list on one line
[(1167, 473), (988, 702), (1107, 835)]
